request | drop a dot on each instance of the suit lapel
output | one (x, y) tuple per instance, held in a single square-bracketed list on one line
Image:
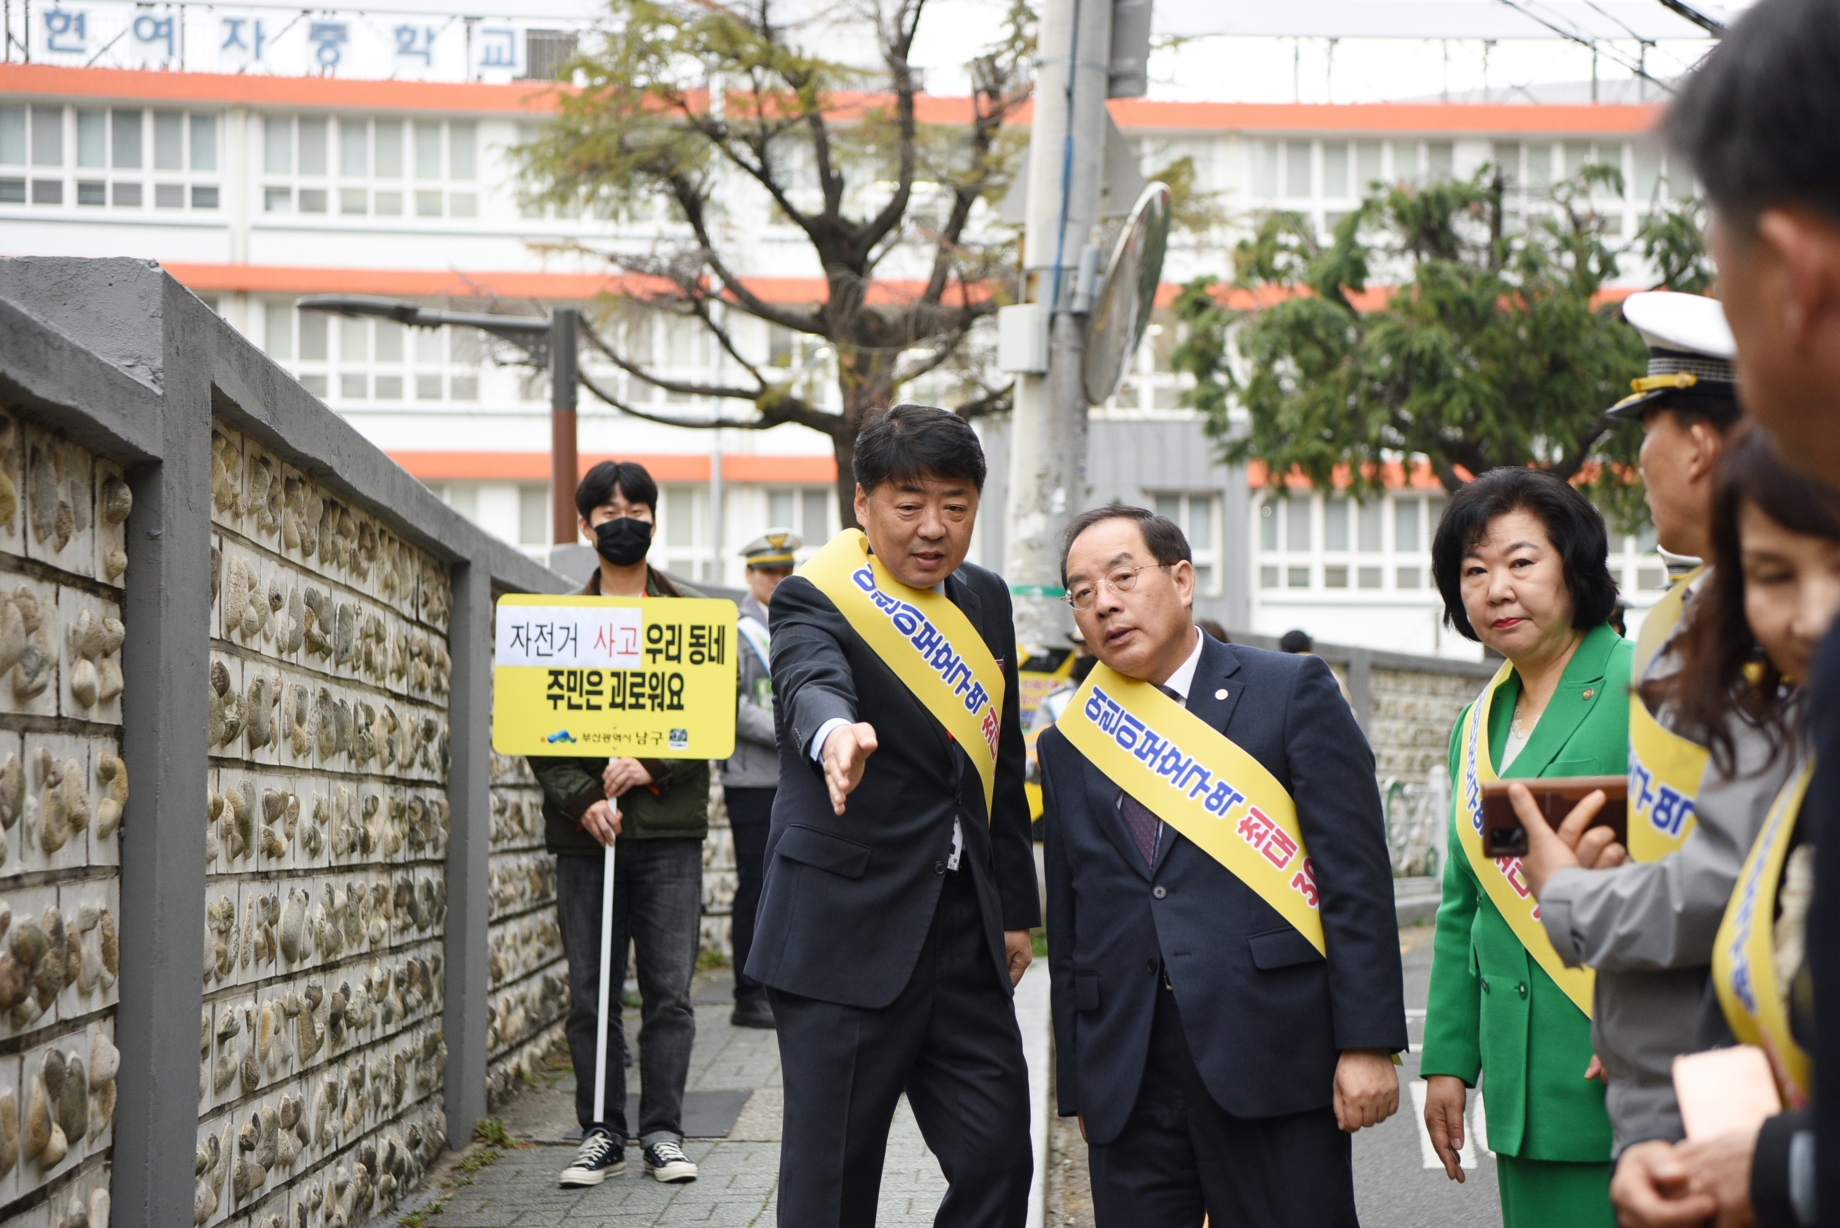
[(1579, 689), (1212, 696), (1102, 795)]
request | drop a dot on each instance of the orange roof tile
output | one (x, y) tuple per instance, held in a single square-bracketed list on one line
[(665, 467), (532, 97)]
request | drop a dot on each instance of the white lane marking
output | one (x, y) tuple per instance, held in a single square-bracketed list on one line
[(1475, 1139)]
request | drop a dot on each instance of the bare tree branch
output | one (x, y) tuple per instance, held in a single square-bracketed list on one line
[(681, 387)]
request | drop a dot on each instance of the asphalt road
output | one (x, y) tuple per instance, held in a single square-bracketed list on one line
[(1397, 1181)]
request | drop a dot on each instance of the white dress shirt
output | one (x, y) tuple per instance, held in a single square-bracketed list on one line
[(1179, 682), (837, 722)]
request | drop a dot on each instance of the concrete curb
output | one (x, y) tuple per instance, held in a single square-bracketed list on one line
[(1416, 900), (1036, 1022)]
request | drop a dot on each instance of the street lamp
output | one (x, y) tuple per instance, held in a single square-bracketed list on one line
[(546, 342)]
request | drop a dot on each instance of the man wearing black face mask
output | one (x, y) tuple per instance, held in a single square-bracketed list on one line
[(659, 809)]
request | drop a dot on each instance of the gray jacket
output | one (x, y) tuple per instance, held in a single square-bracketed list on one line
[(1647, 928), (755, 763)]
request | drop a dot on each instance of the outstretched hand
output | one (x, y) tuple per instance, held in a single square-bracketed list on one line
[(846, 752), (1550, 851)]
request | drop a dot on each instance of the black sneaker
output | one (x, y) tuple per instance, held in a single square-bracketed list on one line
[(755, 1014), (665, 1160), (598, 1158)]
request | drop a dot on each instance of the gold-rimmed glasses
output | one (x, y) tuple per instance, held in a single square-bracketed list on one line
[(1121, 581)]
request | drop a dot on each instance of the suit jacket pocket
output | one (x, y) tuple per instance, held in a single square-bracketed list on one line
[(1285, 948), (812, 847), (1086, 991)]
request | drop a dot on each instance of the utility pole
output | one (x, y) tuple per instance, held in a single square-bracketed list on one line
[(564, 467), (1047, 471)]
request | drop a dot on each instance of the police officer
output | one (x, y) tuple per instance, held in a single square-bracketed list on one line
[(750, 777)]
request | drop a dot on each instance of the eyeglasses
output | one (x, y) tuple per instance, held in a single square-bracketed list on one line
[(1120, 581)]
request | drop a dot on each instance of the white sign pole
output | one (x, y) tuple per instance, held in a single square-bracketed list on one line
[(601, 1017)]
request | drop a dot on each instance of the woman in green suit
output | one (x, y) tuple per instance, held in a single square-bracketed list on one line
[(1520, 561)]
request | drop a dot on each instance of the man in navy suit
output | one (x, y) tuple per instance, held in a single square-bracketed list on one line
[(895, 916), (1217, 1060)]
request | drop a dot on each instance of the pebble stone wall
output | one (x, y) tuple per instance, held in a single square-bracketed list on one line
[(321, 1054), (62, 791), (1412, 718), (529, 977)]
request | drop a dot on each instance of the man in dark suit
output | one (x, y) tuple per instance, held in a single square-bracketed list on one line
[(1209, 1048), (895, 915)]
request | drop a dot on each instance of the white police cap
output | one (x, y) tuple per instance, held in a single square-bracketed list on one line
[(1690, 349)]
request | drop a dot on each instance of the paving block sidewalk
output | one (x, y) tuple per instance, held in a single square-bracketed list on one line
[(739, 1174)]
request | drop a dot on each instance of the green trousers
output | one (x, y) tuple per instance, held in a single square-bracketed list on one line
[(1554, 1194)]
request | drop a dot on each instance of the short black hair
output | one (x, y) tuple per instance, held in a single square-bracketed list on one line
[(1296, 640), (1573, 525), (628, 477), (1760, 122), (1163, 537), (908, 442)]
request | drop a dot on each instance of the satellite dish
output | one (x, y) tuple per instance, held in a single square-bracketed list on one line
[(1121, 310)]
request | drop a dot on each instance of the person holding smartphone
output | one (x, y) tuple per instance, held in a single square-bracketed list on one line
[(1520, 559), (1759, 621)]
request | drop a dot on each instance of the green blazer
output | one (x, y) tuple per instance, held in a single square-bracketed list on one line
[(1492, 1009)]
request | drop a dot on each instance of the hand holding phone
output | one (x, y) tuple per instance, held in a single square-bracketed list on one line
[(1555, 797)]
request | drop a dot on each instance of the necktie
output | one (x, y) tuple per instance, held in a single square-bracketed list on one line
[(1145, 828)]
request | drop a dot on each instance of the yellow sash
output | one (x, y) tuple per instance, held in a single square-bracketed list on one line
[(1664, 768), (926, 640), (1744, 953), (1502, 877), (1191, 776)]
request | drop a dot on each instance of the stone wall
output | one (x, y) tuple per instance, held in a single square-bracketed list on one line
[(321, 1048), (62, 791), (529, 978)]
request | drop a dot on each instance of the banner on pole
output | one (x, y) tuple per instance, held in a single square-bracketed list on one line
[(633, 677)]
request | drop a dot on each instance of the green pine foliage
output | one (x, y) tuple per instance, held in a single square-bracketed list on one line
[(1490, 344)]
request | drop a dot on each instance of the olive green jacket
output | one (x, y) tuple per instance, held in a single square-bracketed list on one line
[(675, 804), (1492, 1009)]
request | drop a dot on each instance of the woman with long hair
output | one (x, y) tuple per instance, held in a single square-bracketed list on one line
[(1751, 644)]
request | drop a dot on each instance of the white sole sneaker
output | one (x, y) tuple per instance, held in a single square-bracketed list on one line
[(672, 1172), (573, 1178)]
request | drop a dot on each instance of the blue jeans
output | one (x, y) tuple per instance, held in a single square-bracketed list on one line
[(657, 905)]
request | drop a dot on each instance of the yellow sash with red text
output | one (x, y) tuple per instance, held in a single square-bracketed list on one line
[(1664, 768), (1744, 953), (1502, 877), (1194, 778), (926, 640)]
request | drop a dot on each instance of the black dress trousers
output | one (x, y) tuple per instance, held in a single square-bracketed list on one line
[(950, 1041), (1181, 1156)]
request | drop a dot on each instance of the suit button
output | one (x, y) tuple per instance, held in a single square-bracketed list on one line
[(1150, 966), (1159, 891), (1485, 984), (939, 867), (1522, 987)]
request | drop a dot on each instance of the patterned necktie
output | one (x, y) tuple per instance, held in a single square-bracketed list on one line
[(1145, 828)]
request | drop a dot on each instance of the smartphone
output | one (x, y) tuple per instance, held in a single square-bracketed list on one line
[(1502, 833)]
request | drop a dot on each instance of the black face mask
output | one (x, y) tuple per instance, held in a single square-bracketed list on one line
[(623, 542)]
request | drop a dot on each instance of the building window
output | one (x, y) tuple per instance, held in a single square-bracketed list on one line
[(805, 511), (1198, 517), (111, 150), (357, 165), (371, 361)]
